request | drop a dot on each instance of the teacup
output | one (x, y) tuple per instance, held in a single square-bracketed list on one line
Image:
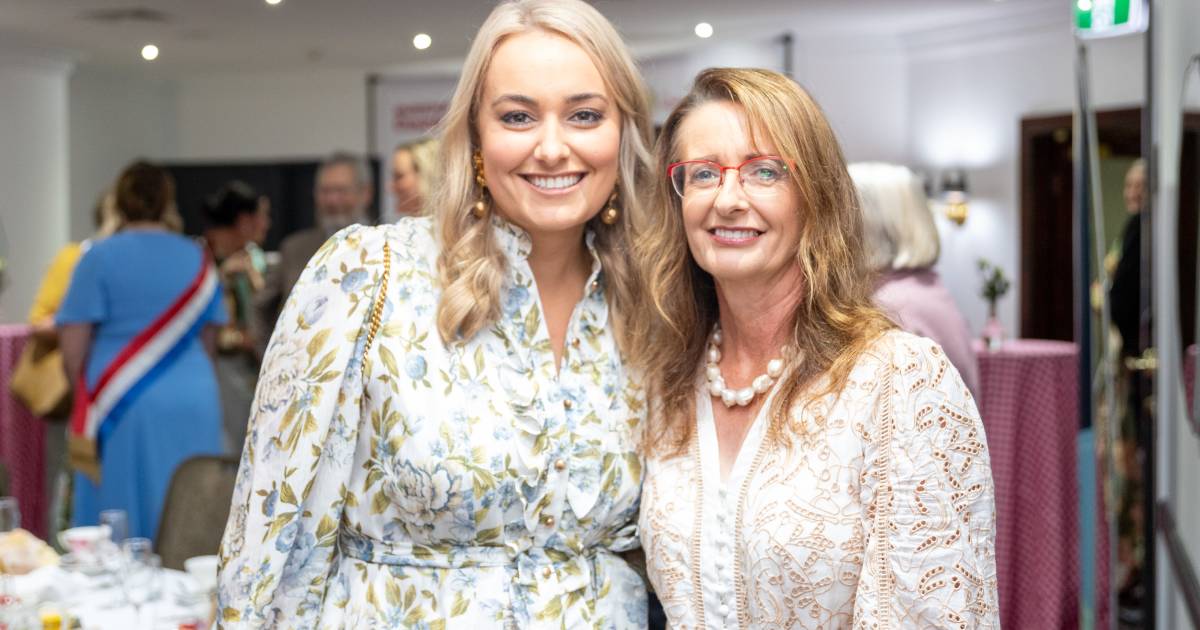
[(203, 570), (86, 541)]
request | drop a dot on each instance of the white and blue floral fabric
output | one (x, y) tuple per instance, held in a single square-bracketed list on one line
[(432, 485)]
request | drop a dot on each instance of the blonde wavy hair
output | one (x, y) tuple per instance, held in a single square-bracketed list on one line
[(834, 321), (471, 264)]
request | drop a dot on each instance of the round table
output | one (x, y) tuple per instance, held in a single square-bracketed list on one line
[(1028, 400), (22, 438), (98, 602)]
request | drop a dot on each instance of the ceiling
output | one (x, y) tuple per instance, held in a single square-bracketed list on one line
[(231, 35)]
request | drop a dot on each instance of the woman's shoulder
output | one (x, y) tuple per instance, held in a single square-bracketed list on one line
[(901, 349), (411, 239), (125, 246), (885, 351)]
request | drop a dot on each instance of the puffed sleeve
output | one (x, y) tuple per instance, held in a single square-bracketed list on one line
[(280, 541), (930, 515)]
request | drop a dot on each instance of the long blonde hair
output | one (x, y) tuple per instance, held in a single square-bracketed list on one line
[(471, 264), (832, 324)]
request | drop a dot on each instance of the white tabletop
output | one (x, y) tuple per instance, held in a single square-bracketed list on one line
[(99, 603)]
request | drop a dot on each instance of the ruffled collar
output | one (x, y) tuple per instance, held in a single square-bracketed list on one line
[(516, 244)]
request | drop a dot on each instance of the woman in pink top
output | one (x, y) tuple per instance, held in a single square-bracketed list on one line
[(902, 245)]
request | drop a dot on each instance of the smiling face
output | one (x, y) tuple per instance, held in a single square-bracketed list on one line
[(549, 132), (735, 234)]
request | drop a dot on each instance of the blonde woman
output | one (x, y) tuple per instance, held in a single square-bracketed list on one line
[(445, 433), (902, 245), (812, 467)]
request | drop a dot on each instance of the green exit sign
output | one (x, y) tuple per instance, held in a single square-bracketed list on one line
[(1110, 18)]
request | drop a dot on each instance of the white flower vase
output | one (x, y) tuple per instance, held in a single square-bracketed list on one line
[(993, 330)]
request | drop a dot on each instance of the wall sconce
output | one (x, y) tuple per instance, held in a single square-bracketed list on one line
[(954, 195)]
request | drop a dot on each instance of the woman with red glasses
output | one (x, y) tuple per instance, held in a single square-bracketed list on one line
[(811, 465)]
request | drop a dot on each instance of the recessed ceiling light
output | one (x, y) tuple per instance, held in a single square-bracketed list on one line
[(1084, 5), (149, 52), (704, 30), (274, 2), (422, 41)]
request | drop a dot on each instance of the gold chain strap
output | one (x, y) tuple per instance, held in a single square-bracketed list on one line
[(377, 306)]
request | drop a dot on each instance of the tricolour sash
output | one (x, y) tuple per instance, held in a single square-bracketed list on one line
[(136, 363)]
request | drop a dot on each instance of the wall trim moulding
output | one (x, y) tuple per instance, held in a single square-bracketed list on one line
[(1020, 29)]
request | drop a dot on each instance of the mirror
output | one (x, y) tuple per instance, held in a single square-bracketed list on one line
[(1189, 233)]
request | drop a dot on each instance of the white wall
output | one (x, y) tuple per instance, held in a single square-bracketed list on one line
[(670, 76), (300, 114), (862, 86), (967, 95), (115, 118), (33, 172)]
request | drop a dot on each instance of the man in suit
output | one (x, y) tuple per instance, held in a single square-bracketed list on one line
[(342, 194)]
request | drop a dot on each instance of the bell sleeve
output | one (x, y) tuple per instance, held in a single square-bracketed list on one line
[(281, 539), (927, 488)]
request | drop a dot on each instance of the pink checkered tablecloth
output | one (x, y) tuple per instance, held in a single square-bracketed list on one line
[(1029, 403), (22, 436)]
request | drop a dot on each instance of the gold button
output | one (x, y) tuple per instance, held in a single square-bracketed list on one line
[(560, 465), (546, 573), (575, 342), (595, 284), (548, 521), (567, 403)]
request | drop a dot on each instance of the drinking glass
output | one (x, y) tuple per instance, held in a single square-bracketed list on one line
[(10, 519), (10, 514), (118, 525), (137, 549), (140, 581)]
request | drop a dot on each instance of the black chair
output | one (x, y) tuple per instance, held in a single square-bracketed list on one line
[(196, 508)]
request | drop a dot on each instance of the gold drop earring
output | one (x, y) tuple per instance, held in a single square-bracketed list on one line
[(611, 214), (480, 207)]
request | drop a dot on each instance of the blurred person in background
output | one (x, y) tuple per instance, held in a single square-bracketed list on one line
[(406, 185), (902, 246), (1125, 300), (46, 303), (342, 194), (141, 311), (233, 219)]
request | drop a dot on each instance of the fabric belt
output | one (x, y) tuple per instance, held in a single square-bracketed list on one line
[(563, 571)]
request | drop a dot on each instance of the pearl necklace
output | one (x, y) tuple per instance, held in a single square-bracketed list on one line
[(740, 397)]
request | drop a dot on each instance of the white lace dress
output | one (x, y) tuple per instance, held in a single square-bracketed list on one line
[(879, 515)]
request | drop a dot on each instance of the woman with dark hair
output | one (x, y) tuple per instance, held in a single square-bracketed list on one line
[(134, 327), (232, 221), (810, 466)]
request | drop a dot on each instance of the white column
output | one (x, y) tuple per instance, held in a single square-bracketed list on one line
[(1176, 39), (33, 171)]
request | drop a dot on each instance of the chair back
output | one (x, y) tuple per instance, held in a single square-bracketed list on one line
[(196, 508)]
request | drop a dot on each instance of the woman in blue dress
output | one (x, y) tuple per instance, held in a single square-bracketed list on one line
[(123, 289)]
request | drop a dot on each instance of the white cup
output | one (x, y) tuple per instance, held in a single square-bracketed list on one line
[(203, 570), (84, 541)]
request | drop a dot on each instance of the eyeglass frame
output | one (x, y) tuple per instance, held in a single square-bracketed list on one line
[(787, 165)]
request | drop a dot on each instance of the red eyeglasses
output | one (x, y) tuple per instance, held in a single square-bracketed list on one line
[(760, 176)]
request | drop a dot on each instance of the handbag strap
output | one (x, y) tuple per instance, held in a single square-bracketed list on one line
[(377, 307)]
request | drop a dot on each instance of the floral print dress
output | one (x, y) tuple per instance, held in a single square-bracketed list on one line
[(404, 482)]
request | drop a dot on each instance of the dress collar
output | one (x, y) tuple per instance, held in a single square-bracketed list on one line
[(517, 245)]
